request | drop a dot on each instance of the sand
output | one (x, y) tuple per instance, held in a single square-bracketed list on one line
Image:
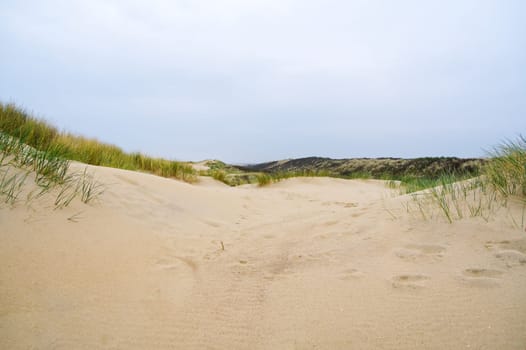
[(307, 263)]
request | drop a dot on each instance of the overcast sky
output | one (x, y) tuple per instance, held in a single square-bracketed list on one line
[(249, 81)]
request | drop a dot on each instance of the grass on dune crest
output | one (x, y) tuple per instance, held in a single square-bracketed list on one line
[(16, 122)]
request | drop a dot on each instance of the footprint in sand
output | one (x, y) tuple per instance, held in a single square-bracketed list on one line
[(212, 223), (331, 223), (346, 204), (351, 274), (409, 281), (479, 272), (341, 204), (359, 213), (421, 252), (175, 262), (480, 277), (166, 264), (511, 257), (516, 244), (512, 253)]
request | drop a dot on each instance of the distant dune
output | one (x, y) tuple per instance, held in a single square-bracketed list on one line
[(374, 167), (306, 263)]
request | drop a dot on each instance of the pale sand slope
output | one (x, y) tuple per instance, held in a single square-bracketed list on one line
[(309, 263)]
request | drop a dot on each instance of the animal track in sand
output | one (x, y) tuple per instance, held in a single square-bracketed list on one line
[(359, 213), (322, 236), (341, 204), (174, 262), (517, 244), (351, 274), (409, 281), (421, 252), (480, 272), (212, 223), (511, 252), (511, 258), (330, 223), (481, 277), (347, 204)]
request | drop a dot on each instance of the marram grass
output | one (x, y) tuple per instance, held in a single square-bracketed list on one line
[(50, 172), (506, 172), (503, 178), (32, 148), (39, 134)]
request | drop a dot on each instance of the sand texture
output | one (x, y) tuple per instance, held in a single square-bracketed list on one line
[(307, 263)]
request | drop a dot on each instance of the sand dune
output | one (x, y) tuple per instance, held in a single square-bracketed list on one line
[(307, 263)]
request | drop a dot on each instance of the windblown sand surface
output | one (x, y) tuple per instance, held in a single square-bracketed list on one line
[(308, 263)]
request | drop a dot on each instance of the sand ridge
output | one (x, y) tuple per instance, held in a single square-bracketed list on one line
[(305, 263)]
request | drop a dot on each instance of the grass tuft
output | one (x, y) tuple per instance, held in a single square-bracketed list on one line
[(264, 179), (503, 178), (49, 170), (506, 172)]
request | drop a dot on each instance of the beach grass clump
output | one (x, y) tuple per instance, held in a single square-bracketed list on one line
[(264, 179), (20, 162), (48, 165), (219, 175), (506, 171), (457, 200), (411, 183), (233, 179), (80, 185), (11, 185), (503, 177), (42, 136), (31, 131), (228, 174)]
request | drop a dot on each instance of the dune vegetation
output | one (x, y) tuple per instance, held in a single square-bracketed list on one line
[(506, 172), (413, 174), (50, 172), (502, 178), (33, 150), (37, 133)]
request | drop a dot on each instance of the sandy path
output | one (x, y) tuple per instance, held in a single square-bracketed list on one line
[(307, 264)]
